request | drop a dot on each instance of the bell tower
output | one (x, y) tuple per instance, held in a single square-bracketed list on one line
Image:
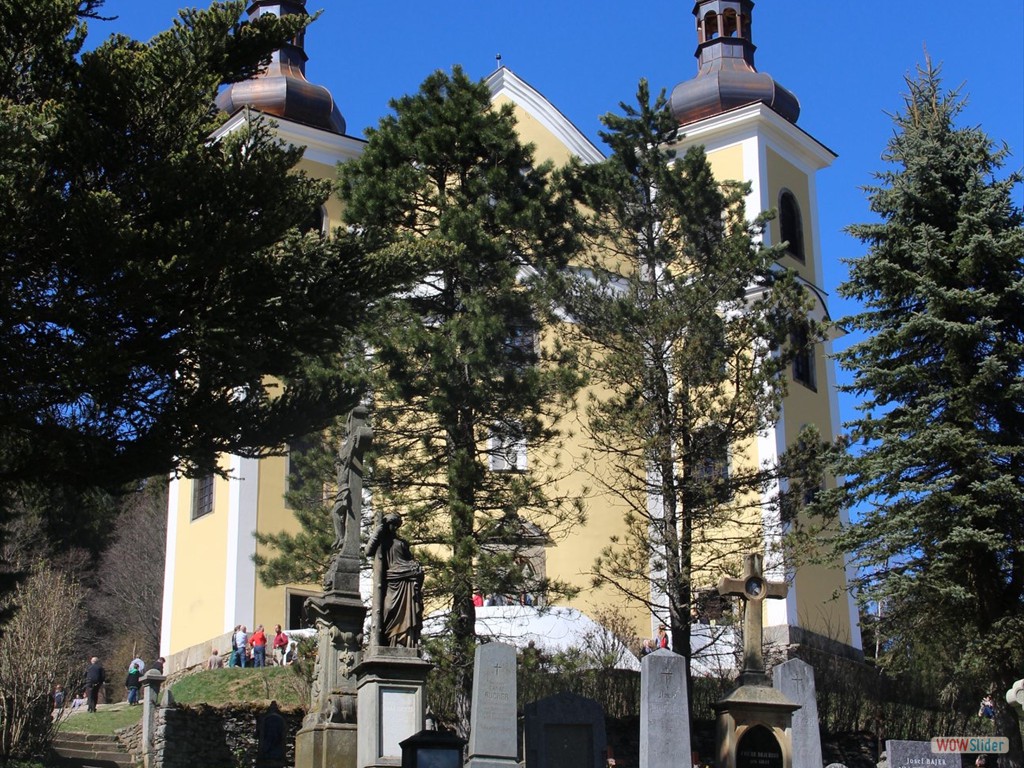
[(282, 90), (746, 122)]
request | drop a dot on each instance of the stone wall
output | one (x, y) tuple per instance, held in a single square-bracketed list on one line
[(213, 737)]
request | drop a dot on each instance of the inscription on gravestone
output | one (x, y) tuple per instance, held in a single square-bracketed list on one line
[(664, 710), (493, 733), (918, 754), (758, 748), (399, 707)]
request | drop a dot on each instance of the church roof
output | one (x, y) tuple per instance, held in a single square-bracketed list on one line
[(726, 77), (504, 82)]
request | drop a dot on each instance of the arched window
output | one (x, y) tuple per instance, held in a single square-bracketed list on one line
[(316, 221), (791, 224), (730, 27), (710, 25)]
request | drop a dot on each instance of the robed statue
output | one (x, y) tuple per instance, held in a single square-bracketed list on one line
[(398, 585), (348, 503)]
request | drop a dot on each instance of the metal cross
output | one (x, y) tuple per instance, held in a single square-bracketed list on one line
[(753, 588)]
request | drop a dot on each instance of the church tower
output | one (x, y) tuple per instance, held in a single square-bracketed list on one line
[(210, 579), (747, 124)]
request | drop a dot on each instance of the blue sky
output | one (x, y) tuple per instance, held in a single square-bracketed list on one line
[(845, 61)]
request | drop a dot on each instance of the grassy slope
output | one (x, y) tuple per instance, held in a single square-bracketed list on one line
[(216, 687)]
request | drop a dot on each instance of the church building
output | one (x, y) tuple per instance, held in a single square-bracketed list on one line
[(747, 124)]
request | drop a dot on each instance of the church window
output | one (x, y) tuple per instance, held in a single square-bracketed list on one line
[(803, 360), (791, 224), (710, 450), (730, 23), (316, 221), (202, 496), (507, 449)]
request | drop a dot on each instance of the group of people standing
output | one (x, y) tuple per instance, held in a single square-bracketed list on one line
[(250, 650), (96, 678), (660, 640)]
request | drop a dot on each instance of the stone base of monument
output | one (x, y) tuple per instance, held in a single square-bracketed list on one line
[(753, 728), (328, 738), (327, 745), (391, 705)]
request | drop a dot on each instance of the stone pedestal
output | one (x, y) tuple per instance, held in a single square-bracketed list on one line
[(328, 737), (753, 728), (391, 703)]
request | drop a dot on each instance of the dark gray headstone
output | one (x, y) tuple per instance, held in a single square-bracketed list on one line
[(795, 680), (664, 710), (758, 748), (918, 754), (565, 731), (493, 734)]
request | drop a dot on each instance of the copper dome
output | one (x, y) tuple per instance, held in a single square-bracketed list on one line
[(726, 77), (282, 89)]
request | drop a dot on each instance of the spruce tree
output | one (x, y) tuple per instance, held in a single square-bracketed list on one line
[(935, 464), (685, 317), (464, 377)]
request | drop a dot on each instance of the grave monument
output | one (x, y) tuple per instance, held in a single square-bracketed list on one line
[(565, 731), (494, 728), (795, 680), (328, 736), (391, 676), (664, 710), (755, 720), (916, 754)]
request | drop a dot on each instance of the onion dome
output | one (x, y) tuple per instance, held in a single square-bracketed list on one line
[(726, 77), (282, 89)]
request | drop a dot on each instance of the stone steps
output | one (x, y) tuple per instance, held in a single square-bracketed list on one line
[(81, 750)]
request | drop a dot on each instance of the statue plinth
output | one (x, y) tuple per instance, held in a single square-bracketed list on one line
[(328, 737), (391, 703)]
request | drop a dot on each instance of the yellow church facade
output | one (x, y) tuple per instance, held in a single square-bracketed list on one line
[(211, 583)]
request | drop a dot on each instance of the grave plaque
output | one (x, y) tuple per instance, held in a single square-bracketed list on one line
[(493, 736), (401, 719), (565, 731), (918, 754), (795, 680), (664, 710), (758, 748)]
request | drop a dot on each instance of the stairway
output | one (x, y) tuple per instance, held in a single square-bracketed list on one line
[(82, 750)]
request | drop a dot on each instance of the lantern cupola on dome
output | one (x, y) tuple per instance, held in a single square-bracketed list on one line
[(726, 77), (282, 89)]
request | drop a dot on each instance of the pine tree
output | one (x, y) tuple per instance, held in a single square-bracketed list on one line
[(686, 318), (935, 465), (154, 281), (464, 377)]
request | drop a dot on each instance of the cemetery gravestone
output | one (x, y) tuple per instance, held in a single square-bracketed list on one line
[(795, 680), (664, 710), (493, 732), (758, 748), (565, 731), (918, 754)]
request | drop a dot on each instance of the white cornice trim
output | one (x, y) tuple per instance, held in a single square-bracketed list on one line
[(320, 146), (504, 81), (759, 120)]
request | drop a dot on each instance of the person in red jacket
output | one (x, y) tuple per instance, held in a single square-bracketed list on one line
[(280, 645), (258, 641)]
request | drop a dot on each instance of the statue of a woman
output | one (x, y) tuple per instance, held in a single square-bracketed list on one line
[(398, 579)]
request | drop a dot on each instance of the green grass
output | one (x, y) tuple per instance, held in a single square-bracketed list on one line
[(101, 721), (216, 687), (232, 685)]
